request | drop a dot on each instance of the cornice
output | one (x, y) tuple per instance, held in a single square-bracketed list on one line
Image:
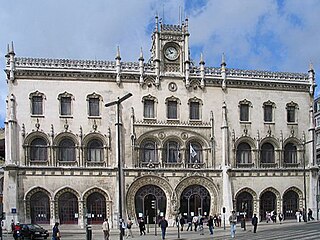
[(164, 123)]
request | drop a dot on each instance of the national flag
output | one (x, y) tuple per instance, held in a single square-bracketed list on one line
[(193, 153)]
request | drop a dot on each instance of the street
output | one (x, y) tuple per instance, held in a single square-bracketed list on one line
[(290, 230)]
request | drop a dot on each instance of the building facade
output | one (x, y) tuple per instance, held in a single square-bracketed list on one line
[(191, 140)]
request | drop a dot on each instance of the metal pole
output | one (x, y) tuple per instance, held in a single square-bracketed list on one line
[(178, 225), (304, 184)]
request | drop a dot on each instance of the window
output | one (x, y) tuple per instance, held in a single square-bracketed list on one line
[(267, 153), (317, 121), (148, 152), (172, 110), (317, 138), (194, 110), (244, 110), (94, 105), (36, 100), (291, 112), (290, 153), (148, 110), (65, 103), (194, 152), (172, 152), (268, 113), (67, 150), (95, 151), (38, 150), (244, 153)]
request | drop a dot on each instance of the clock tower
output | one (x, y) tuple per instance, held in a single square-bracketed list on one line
[(170, 50)]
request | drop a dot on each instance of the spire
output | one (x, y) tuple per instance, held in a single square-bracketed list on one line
[(157, 23), (141, 67), (141, 55), (202, 71), (223, 72), (118, 53), (311, 79), (118, 66), (223, 60)]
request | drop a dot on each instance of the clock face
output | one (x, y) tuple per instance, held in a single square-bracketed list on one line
[(171, 53)]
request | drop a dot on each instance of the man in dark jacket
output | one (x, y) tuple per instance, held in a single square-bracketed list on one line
[(163, 224), (254, 222)]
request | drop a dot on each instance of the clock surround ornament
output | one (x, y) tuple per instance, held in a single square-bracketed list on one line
[(171, 53)]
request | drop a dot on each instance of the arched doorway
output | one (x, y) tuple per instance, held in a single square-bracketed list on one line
[(96, 208), (40, 208), (290, 204), (195, 200), (245, 204), (267, 203), (68, 208), (150, 201)]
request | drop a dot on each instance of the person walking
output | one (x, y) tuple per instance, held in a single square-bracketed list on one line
[(195, 220), (142, 227), (106, 229), (122, 226), (181, 222), (201, 219), (254, 222), (298, 216), (310, 214), (233, 223), (163, 225), (12, 226), (211, 225), (189, 220), (56, 232), (280, 216), (129, 226)]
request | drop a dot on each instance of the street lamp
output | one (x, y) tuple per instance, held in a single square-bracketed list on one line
[(304, 180), (118, 102)]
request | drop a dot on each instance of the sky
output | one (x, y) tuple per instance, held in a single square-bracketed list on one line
[(272, 35)]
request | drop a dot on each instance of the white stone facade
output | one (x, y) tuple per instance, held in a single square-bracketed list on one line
[(164, 91)]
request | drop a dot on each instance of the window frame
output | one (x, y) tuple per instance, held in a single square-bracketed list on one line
[(95, 154), (94, 99), (265, 153), (172, 103), (292, 109), (152, 113), (244, 111), (244, 153), (40, 109), (68, 112), (37, 150), (64, 151)]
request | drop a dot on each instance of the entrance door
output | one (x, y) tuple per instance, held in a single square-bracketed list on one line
[(96, 208), (290, 204), (40, 208), (195, 200), (267, 203), (68, 208), (145, 198), (245, 204)]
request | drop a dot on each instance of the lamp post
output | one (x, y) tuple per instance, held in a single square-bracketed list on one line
[(118, 102)]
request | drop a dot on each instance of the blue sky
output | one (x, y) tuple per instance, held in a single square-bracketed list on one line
[(265, 35)]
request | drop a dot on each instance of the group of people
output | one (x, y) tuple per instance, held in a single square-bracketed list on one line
[(301, 215), (273, 217)]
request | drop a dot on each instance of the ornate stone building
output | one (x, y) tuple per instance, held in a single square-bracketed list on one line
[(192, 139)]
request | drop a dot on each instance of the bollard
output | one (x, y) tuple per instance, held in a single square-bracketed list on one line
[(89, 232)]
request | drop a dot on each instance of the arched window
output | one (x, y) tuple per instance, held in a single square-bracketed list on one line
[(38, 150), (290, 153), (95, 151), (194, 152), (67, 151), (148, 152), (267, 153), (171, 152), (244, 153)]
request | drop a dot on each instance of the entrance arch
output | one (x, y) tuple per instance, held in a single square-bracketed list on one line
[(268, 203), (150, 202), (68, 208), (290, 204), (96, 208), (195, 200), (40, 208), (244, 203)]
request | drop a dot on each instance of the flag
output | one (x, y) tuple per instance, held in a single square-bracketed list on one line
[(193, 153)]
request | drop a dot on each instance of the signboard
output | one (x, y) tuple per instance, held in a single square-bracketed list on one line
[(13, 210)]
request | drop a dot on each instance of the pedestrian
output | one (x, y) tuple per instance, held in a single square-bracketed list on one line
[(280, 216), (201, 219), (195, 222), (106, 229), (211, 225), (17, 231), (219, 220), (12, 225), (310, 214), (142, 227), (56, 235), (181, 223), (163, 224), (298, 216), (122, 226), (129, 226), (254, 222), (189, 220), (233, 223)]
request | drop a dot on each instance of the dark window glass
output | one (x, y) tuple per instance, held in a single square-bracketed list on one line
[(194, 153), (172, 110), (149, 152), (267, 153), (65, 106), (38, 150), (244, 112), (95, 151), (67, 150), (172, 152), (268, 113), (37, 105), (94, 107), (148, 109), (291, 114), (244, 153), (194, 110), (290, 153)]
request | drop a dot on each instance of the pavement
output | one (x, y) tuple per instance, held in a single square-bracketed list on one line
[(74, 232)]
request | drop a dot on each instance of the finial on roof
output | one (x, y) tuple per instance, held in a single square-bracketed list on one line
[(12, 48), (201, 59), (311, 66), (157, 23), (118, 53), (141, 55), (223, 60)]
